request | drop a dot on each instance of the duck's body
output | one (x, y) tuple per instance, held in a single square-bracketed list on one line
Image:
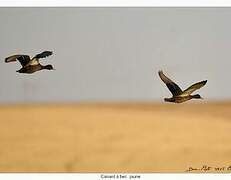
[(33, 68), (179, 96), (30, 66), (180, 99)]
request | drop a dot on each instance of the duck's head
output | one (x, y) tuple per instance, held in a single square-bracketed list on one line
[(197, 96), (49, 67)]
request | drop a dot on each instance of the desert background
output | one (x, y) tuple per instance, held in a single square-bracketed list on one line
[(103, 109), (116, 137)]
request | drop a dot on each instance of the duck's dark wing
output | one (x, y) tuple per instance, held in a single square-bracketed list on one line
[(23, 59), (43, 54), (173, 87), (194, 87)]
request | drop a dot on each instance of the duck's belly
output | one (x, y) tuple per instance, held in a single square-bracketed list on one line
[(29, 69), (182, 99)]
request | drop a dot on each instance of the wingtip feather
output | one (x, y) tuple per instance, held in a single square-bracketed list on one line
[(160, 72), (205, 81), (8, 59)]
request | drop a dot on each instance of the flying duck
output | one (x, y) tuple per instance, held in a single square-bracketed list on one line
[(179, 96), (30, 65)]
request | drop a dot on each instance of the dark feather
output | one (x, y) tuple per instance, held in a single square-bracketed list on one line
[(173, 87), (23, 59), (43, 54)]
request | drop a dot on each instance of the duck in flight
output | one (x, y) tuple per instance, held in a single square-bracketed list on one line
[(179, 96), (30, 65)]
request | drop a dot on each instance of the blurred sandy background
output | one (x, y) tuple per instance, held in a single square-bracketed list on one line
[(114, 137)]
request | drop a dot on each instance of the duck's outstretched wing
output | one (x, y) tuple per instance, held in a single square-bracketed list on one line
[(43, 54), (23, 59), (173, 87), (193, 88)]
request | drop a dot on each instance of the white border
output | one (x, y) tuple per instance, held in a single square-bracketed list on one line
[(100, 176), (115, 3)]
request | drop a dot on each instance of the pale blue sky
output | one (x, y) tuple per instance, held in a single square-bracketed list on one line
[(114, 54)]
